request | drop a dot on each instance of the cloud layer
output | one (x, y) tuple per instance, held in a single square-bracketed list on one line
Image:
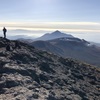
[(64, 26)]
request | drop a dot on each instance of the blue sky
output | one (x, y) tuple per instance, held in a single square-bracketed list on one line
[(50, 10), (75, 16)]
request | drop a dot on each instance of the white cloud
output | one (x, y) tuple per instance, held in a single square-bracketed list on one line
[(52, 26)]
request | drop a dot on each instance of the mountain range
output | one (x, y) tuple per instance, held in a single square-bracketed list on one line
[(27, 73), (69, 46)]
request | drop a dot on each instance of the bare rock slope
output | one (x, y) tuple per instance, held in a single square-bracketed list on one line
[(31, 74)]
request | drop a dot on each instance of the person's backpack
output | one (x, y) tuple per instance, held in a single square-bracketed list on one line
[(8, 47)]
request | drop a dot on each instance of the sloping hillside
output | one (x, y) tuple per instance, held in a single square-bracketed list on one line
[(31, 74), (71, 48)]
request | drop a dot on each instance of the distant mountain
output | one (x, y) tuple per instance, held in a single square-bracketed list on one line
[(21, 37), (54, 35), (96, 44), (71, 47), (20, 31)]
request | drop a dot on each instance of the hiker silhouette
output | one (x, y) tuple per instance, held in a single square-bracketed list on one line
[(4, 32)]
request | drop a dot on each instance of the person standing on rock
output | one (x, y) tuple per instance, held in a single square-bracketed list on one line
[(4, 32)]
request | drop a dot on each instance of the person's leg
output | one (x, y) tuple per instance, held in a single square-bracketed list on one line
[(4, 34)]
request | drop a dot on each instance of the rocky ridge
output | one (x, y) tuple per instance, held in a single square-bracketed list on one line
[(32, 74)]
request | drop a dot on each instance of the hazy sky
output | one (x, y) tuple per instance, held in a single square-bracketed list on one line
[(80, 17)]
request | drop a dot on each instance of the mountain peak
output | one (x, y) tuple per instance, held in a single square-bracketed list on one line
[(57, 31), (54, 35)]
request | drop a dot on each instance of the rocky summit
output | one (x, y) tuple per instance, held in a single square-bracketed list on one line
[(27, 73)]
